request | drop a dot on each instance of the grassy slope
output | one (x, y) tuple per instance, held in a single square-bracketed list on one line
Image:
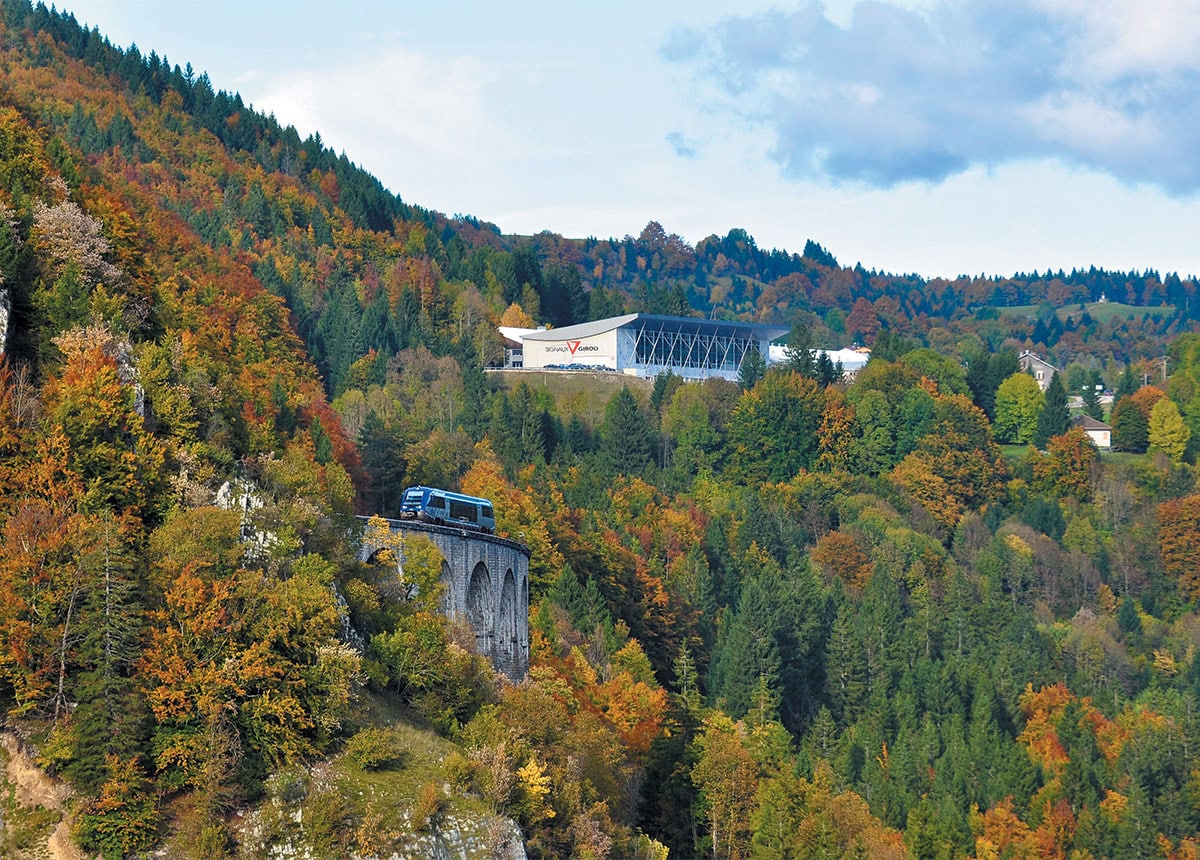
[(383, 802), (1099, 311), (581, 392)]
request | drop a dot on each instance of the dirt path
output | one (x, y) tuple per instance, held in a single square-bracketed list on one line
[(35, 788)]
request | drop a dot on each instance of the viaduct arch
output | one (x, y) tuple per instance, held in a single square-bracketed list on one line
[(485, 580)]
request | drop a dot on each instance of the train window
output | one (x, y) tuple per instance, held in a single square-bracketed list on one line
[(486, 512), (437, 502), (462, 511)]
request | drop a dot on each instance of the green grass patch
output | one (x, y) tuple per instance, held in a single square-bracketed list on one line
[(1122, 458), (1014, 453), (1018, 311), (1099, 311), (577, 392), (1108, 311)]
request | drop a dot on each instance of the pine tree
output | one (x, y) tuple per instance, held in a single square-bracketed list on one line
[(978, 380), (801, 357), (626, 437), (665, 385), (846, 669), (1127, 385), (1091, 401), (1130, 432), (110, 716), (1054, 418), (826, 373), (753, 368)]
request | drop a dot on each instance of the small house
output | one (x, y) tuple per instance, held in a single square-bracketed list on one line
[(1042, 370), (1099, 432)]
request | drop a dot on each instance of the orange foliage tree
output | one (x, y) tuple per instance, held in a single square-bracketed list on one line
[(1068, 466), (1179, 543)]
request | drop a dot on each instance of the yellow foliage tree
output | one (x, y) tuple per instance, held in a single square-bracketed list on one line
[(535, 788), (516, 317)]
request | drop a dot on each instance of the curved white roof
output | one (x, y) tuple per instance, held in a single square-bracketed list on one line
[(655, 321)]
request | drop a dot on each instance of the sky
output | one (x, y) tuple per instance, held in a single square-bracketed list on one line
[(937, 137)]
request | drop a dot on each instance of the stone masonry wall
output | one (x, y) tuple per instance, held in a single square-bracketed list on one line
[(486, 580)]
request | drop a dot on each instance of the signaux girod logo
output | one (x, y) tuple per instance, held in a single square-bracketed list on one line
[(573, 347)]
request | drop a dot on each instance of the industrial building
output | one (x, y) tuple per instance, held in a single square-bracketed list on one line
[(645, 345), (851, 360)]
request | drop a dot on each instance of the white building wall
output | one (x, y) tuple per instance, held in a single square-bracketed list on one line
[(598, 350)]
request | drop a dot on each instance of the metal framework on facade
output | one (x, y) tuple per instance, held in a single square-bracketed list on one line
[(686, 348)]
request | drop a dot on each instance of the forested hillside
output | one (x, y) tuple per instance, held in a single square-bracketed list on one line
[(791, 617)]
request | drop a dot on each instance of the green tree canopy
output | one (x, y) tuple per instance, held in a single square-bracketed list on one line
[(1167, 432), (626, 438), (1019, 404), (1055, 418), (773, 431), (1131, 430), (753, 368)]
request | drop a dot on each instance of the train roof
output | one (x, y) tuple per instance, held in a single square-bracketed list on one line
[(449, 494)]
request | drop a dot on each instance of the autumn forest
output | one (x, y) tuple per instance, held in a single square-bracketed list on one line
[(915, 613)]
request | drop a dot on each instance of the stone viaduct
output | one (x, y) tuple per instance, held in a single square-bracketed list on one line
[(486, 581)]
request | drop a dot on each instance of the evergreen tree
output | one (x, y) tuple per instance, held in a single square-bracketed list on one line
[(753, 368), (978, 381), (563, 300), (1130, 429), (665, 385), (1054, 418), (889, 346), (322, 444), (383, 458), (826, 373), (110, 717), (527, 427), (626, 437), (800, 355), (1091, 397), (475, 395), (577, 438), (846, 669), (985, 373), (1127, 385), (746, 656)]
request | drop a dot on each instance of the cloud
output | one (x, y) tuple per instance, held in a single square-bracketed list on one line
[(682, 146), (390, 102), (897, 94)]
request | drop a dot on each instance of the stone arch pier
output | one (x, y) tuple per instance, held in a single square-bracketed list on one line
[(485, 580)]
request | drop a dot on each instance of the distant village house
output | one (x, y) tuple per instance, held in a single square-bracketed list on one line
[(1099, 432), (1042, 370)]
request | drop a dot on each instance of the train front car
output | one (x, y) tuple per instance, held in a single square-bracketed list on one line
[(414, 503), (442, 507)]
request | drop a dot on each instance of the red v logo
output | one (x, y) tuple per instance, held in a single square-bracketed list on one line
[(573, 345)]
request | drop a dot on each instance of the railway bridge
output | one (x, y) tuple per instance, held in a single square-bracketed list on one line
[(485, 580)]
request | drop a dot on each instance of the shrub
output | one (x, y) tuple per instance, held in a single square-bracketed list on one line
[(459, 771), (430, 806), (372, 749)]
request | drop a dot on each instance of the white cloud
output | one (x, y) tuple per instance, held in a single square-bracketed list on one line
[(897, 94), (397, 100)]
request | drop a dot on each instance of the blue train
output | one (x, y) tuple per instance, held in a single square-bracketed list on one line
[(445, 508)]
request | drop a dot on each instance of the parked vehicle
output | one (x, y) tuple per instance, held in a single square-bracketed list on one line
[(444, 508)]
